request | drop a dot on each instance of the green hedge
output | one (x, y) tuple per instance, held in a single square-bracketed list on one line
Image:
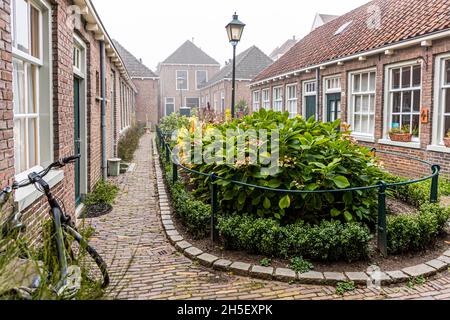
[(129, 142), (329, 241), (416, 232)]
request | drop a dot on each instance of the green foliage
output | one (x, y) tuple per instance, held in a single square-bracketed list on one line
[(408, 233), (104, 193), (194, 214), (313, 156), (344, 287), (329, 241), (417, 281), (129, 142), (266, 262), (300, 265), (173, 122), (242, 106)]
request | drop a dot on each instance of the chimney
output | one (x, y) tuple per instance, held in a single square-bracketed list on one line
[(140, 60), (293, 38)]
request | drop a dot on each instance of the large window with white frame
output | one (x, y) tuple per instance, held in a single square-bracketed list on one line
[(442, 101), (201, 78), (222, 102), (182, 80), (266, 99), (291, 99), (31, 83), (256, 100), (362, 90), (278, 99), (404, 98)]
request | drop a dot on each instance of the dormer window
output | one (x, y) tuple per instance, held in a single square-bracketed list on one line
[(343, 28)]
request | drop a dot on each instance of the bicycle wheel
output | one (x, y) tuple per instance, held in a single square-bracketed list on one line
[(92, 252)]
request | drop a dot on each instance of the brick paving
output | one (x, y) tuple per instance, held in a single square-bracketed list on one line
[(144, 265)]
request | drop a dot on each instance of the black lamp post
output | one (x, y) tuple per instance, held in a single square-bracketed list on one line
[(234, 29)]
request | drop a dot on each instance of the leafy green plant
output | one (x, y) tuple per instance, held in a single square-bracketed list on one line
[(173, 122), (300, 265), (416, 281), (266, 262), (408, 233), (129, 142), (104, 193), (344, 287), (313, 156)]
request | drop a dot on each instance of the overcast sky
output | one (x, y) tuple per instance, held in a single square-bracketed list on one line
[(153, 29)]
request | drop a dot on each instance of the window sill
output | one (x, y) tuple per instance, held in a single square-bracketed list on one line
[(363, 138), (410, 145), (27, 196), (435, 148)]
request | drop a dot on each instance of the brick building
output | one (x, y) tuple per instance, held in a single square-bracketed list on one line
[(217, 91), (60, 72), (181, 76), (147, 85), (382, 66)]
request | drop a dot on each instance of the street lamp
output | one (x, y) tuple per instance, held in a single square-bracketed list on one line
[(234, 29)]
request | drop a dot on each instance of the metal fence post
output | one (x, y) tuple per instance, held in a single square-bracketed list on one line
[(167, 153), (435, 184), (174, 173), (382, 223), (214, 207)]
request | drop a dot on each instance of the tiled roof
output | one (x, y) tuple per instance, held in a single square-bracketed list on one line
[(189, 53), (400, 20), (285, 47), (248, 64), (135, 67)]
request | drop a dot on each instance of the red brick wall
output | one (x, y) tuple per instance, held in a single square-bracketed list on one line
[(380, 61), (147, 100), (243, 92)]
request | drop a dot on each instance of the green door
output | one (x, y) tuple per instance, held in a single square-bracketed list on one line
[(77, 137), (310, 103), (333, 107)]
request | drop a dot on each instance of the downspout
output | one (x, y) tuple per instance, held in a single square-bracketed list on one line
[(103, 109), (318, 95)]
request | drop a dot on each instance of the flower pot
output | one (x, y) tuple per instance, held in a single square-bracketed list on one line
[(447, 142), (401, 137)]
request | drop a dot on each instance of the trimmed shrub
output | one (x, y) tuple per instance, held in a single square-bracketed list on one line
[(104, 193), (329, 241), (129, 142), (413, 233)]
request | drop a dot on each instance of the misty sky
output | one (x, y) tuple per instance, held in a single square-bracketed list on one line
[(153, 29)]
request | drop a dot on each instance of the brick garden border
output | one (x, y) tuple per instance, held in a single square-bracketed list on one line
[(428, 269)]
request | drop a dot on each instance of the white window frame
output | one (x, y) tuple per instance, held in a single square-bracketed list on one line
[(415, 144), (187, 80), (166, 103), (222, 102), (277, 102), (307, 92), (256, 102), (265, 102), (292, 102), (362, 136), (439, 105), (196, 78), (327, 90)]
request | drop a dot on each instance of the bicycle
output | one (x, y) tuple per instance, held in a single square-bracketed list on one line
[(69, 282)]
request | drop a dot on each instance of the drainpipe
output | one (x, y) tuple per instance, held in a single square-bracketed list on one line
[(103, 109), (318, 95)]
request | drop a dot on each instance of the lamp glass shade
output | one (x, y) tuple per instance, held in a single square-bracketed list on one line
[(235, 29)]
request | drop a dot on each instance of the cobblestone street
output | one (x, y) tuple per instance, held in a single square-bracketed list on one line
[(144, 265)]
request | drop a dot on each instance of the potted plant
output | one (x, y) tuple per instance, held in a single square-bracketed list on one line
[(447, 139), (401, 134)]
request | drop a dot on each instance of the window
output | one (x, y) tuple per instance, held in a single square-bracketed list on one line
[(310, 88), (332, 84), (442, 104), (310, 99), (277, 99), (182, 80), (343, 28), (77, 58), (362, 102), (215, 103), (222, 102), (31, 84), (405, 97), (256, 101), (266, 99), (192, 103), (170, 106), (291, 93), (201, 78)]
